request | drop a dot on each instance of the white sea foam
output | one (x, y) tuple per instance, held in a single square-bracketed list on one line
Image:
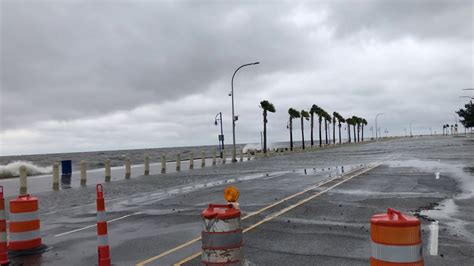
[(447, 210), (454, 170), (13, 169), (258, 147), (252, 147)]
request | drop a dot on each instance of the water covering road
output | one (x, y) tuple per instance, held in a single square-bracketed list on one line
[(150, 215)]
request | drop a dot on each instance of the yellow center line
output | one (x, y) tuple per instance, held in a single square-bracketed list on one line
[(190, 242), (282, 211)]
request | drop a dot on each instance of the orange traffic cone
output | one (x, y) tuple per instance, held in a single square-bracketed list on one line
[(103, 248), (396, 239), (3, 231)]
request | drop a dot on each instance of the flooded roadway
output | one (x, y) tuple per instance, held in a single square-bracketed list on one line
[(153, 215)]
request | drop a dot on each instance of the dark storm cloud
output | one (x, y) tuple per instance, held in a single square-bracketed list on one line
[(392, 19), (69, 59), (91, 75)]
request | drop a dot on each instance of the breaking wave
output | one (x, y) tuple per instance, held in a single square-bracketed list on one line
[(257, 147), (13, 169), (252, 147)]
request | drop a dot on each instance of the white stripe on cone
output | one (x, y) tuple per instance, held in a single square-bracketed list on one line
[(23, 217), (24, 236), (103, 240), (397, 254), (101, 216), (222, 255), (222, 225)]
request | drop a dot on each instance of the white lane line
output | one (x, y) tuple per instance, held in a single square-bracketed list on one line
[(94, 225)]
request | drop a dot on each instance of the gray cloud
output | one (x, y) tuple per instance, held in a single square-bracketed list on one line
[(72, 59), (392, 19), (107, 72)]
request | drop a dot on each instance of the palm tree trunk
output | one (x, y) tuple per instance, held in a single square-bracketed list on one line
[(320, 137), (340, 140), (326, 129), (355, 136), (264, 131), (349, 132), (302, 132), (362, 133), (358, 132), (312, 126), (291, 134), (334, 132)]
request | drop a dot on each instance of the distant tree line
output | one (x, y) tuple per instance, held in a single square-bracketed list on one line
[(467, 119), (357, 123), (467, 115)]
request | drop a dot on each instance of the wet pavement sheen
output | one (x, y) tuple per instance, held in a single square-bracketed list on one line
[(152, 214)]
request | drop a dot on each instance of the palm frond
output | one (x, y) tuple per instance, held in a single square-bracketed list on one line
[(304, 114), (293, 113), (314, 109), (268, 106)]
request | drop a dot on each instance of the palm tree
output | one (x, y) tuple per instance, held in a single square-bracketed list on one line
[(314, 110), (304, 115), (349, 123), (356, 121), (364, 123), (293, 114), (320, 112), (340, 120), (334, 128), (327, 119), (267, 107)]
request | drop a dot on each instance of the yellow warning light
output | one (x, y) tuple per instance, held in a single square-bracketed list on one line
[(231, 194)]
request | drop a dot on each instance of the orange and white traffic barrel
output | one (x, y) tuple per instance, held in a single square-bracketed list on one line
[(102, 237), (24, 229), (396, 239), (3, 231), (222, 238)]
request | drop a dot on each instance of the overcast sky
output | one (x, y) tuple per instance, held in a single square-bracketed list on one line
[(101, 75)]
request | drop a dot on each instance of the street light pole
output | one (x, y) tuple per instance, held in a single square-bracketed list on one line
[(221, 136), (233, 115), (376, 127)]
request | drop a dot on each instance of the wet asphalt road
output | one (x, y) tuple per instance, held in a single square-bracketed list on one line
[(153, 214)]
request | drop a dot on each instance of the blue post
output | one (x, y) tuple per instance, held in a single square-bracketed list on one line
[(66, 167)]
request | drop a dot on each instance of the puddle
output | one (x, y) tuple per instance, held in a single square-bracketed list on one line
[(167, 193), (360, 192), (459, 172), (447, 210)]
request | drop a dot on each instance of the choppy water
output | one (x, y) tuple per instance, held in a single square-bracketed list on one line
[(42, 163)]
